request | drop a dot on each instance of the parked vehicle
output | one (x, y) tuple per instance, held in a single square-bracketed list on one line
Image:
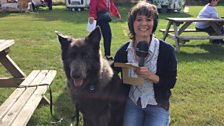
[(165, 5), (35, 4), (77, 5)]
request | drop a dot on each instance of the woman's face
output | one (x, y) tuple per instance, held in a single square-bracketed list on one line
[(143, 27)]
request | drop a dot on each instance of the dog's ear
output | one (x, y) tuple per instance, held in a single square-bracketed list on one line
[(64, 40), (94, 38)]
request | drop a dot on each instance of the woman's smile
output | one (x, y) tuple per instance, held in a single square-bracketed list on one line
[(143, 27)]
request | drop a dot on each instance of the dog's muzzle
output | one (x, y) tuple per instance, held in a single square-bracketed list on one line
[(78, 82)]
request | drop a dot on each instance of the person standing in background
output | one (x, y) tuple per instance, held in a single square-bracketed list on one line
[(97, 6), (49, 4)]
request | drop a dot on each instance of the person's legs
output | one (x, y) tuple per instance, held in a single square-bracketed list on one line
[(222, 29), (33, 7), (106, 32), (156, 116), (210, 31), (133, 115), (49, 4), (223, 33)]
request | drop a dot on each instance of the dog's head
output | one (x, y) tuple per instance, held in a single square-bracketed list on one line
[(81, 57)]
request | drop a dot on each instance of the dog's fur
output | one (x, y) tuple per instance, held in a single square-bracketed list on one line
[(95, 89)]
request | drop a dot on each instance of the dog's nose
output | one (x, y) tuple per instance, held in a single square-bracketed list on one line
[(75, 75)]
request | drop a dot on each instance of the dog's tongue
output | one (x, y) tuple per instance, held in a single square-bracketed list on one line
[(78, 83)]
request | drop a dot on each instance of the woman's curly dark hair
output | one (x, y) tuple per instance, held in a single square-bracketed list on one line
[(141, 8)]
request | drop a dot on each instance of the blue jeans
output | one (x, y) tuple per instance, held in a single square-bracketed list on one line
[(49, 4), (106, 32), (152, 115), (211, 31)]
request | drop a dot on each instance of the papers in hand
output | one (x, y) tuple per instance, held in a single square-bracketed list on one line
[(91, 27), (127, 77)]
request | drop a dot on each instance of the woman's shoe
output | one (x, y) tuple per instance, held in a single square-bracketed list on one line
[(109, 58)]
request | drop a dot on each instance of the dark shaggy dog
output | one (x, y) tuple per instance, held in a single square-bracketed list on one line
[(95, 89)]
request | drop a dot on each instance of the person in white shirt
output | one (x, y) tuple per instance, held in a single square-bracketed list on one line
[(209, 11)]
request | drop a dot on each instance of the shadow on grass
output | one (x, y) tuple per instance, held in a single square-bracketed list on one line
[(211, 52), (63, 14), (64, 108), (163, 16), (62, 111), (3, 14)]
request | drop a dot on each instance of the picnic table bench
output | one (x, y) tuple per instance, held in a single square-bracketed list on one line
[(181, 25), (18, 108), (10, 65)]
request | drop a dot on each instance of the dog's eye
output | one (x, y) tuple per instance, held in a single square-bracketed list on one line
[(74, 55), (85, 56)]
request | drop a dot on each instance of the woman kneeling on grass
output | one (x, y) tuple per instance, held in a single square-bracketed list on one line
[(148, 105)]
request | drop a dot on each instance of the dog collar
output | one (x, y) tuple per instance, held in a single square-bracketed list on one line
[(92, 87)]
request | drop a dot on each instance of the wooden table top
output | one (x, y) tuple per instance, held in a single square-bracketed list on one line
[(4, 44), (196, 19)]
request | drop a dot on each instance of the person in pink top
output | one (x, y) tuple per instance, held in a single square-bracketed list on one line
[(99, 6)]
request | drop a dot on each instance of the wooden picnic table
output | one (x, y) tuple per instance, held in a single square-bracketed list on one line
[(181, 25), (10, 65), (18, 108)]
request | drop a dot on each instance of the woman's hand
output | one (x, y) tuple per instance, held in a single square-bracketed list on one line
[(118, 18), (145, 73), (91, 19)]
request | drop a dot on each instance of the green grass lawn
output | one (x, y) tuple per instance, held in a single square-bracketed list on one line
[(197, 98)]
